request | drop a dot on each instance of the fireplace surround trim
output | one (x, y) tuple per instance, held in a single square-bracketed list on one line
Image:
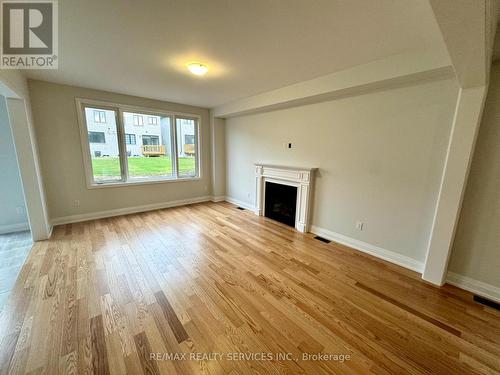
[(300, 177)]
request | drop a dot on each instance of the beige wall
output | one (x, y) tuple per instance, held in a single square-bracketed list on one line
[(218, 157), (476, 250), (380, 158), (58, 138)]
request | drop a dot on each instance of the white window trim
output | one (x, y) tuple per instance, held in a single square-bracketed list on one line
[(81, 103)]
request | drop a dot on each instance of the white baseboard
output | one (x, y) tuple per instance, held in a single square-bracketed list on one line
[(127, 210), (220, 198), (50, 231), (390, 256), (12, 228), (475, 286), (241, 204)]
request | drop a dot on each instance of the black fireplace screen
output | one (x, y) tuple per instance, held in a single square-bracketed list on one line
[(281, 203)]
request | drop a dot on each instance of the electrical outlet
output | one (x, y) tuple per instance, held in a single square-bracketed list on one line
[(360, 225), (19, 210), (77, 203), (248, 195)]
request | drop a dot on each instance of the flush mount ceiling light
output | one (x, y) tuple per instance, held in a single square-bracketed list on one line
[(197, 68)]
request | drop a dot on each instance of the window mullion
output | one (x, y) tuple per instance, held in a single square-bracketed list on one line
[(175, 160), (121, 144), (197, 149)]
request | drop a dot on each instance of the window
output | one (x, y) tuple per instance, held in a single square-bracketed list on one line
[(97, 137), (99, 116), (130, 139), (138, 120), (103, 146), (153, 158), (186, 146), (122, 153), (150, 140)]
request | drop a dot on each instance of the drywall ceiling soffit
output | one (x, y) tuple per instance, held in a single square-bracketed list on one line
[(467, 28), (377, 75)]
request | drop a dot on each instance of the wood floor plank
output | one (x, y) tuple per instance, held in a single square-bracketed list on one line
[(436, 322), (7, 347), (100, 363), (172, 319), (149, 366)]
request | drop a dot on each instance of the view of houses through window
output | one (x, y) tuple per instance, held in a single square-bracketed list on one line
[(185, 129), (149, 144), (103, 142), (151, 155)]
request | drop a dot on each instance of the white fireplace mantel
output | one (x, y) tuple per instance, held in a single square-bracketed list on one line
[(302, 178)]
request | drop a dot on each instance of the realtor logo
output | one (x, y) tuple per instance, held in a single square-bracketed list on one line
[(29, 35)]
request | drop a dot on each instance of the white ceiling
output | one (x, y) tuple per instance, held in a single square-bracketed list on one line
[(251, 46)]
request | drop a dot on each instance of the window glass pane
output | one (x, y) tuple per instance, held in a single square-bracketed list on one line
[(130, 139), (103, 144), (97, 137), (150, 156), (187, 146), (150, 140)]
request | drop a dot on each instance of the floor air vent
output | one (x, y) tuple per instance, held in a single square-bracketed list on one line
[(487, 302), (240, 208), (322, 239)]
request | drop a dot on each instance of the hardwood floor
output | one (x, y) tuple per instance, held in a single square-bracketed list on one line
[(117, 295)]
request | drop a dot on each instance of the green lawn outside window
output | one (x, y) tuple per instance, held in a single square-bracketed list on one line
[(109, 167)]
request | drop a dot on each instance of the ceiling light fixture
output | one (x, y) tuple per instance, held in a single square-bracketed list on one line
[(197, 68)]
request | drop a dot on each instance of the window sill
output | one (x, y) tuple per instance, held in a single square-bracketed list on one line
[(140, 182)]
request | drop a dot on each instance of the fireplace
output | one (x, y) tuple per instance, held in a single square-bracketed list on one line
[(281, 203), (285, 194)]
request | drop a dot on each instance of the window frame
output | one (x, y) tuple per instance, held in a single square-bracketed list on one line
[(196, 137), (119, 109), (150, 122)]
